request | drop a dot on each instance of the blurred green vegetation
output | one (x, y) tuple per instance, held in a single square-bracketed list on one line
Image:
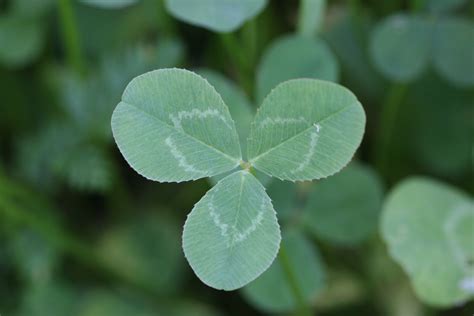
[(82, 234)]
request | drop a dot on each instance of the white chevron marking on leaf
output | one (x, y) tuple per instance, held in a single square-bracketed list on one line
[(314, 137), (182, 161), (178, 118)]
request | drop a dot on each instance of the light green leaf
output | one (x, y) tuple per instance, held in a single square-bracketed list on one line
[(292, 57), (306, 129), (232, 234), (215, 15), (136, 250), (109, 4), (21, 40), (172, 126), (454, 50), (400, 46), (238, 103), (272, 293), (311, 14), (429, 227), (344, 209)]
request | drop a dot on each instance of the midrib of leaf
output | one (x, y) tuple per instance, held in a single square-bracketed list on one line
[(253, 160), (239, 207), (233, 159)]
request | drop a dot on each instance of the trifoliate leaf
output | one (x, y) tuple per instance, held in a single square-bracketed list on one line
[(454, 50), (272, 292), (306, 129), (401, 45), (215, 15), (292, 57), (429, 227), (173, 126), (232, 235), (345, 208)]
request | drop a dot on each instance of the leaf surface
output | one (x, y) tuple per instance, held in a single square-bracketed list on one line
[(344, 209), (173, 126), (215, 15), (272, 293), (400, 46), (232, 234), (429, 229), (295, 56), (306, 129), (454, 50)]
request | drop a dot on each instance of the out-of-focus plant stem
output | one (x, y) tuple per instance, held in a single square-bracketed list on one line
[(242, 52), (70, 36), (303, 309), (387, 120)]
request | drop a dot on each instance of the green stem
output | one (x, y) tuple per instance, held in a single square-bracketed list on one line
[(240, 61), (387, 121), (71, 36), (303, 308)]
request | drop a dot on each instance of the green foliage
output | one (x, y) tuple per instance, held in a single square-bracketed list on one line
[(344, 209), (137, 248), (446, 43), (172, 126), (306, 129), (82, 234), (239, 105), (295, 56), (439, 6), (453, 50), (100, 302), (35, 258), (272, 291), (444, 151), (22, 40), (401, 46), (232, 235), (428, 228), (215, 15), (50, 299)]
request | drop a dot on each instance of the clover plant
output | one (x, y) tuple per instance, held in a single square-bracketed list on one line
[(429, 228), (172, 126)]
